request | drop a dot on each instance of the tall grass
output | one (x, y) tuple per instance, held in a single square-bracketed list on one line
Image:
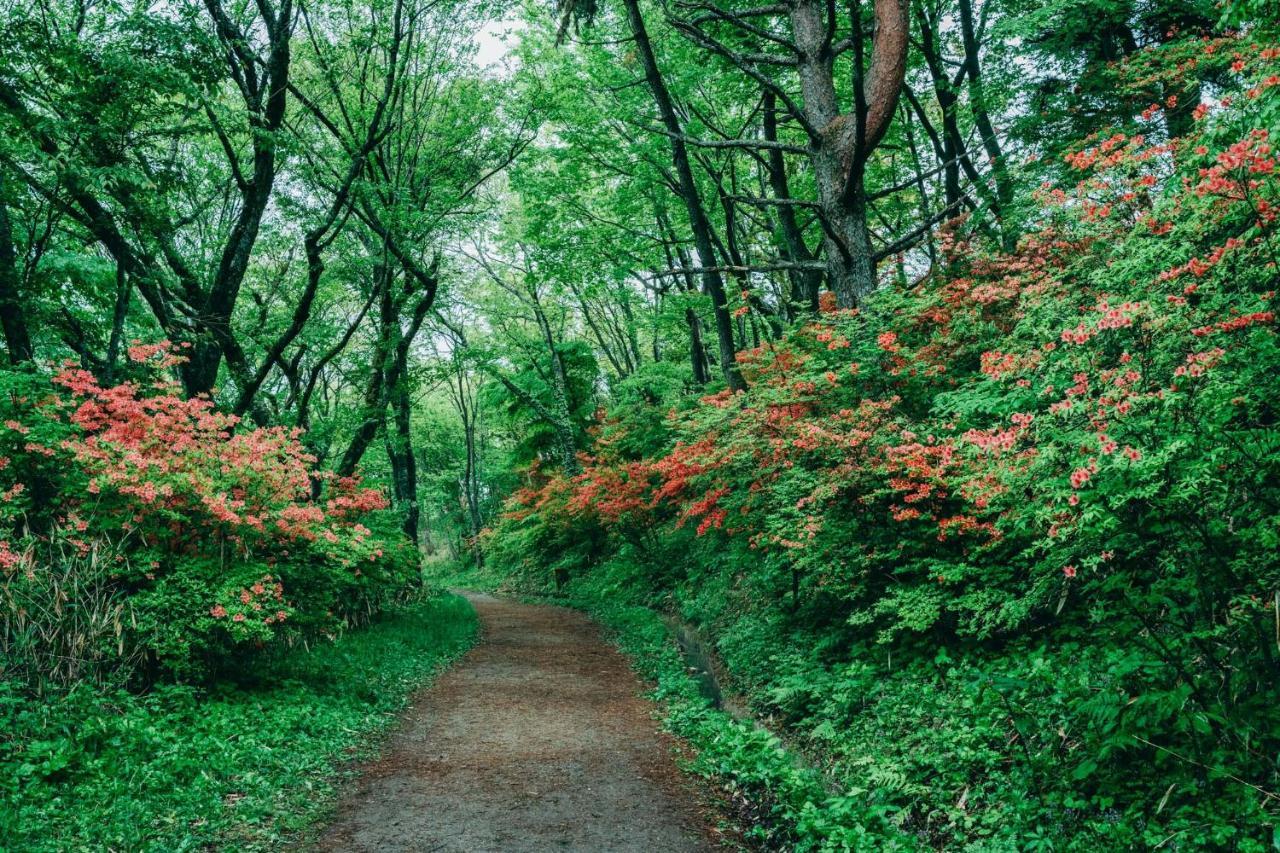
[(67, 622)]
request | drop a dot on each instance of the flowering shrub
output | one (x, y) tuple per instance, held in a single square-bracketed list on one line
[(216, 541), (1024, 451)]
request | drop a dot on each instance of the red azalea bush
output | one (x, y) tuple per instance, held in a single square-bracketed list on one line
[(1071, 446), (199, 537)]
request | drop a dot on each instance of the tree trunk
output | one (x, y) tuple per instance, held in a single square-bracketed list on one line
[(697, 349), (266, 118), (841, 143), (712, 282), (471, 485), (921, 189), (404, 465), (805, 284), (118, 317), (953, 154), (562, 423), (982, 120), (13, 319), (374, 406)]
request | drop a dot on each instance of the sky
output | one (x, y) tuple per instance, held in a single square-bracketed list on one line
[(493, 40)]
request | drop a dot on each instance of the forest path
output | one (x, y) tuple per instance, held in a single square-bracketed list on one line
[(537, 740)]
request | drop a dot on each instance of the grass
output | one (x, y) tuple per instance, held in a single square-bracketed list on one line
[(464, 574), (248, 767)]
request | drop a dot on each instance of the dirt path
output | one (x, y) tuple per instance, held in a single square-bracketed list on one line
[(537, 740)]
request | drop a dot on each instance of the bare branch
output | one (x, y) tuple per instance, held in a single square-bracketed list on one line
[(715, 13), (779, 266), (746, 67), (730, 143), (775, 202), (915, 235), (757, 12)]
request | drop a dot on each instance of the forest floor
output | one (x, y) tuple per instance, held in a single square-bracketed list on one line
[(537, 740)]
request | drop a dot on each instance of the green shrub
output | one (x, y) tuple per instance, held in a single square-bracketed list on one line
[(170, 538)]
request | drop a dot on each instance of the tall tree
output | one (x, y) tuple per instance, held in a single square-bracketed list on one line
[(712, 280), (841, 138)]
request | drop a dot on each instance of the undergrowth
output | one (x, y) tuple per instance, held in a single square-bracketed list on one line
[(240, 766), (776, 800)]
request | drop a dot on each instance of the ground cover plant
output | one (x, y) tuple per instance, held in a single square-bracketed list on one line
[(247, 765)]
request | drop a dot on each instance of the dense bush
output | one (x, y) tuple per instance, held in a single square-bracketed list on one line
[(147, 528), (1011, 528)]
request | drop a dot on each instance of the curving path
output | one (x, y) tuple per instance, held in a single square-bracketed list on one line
[(537, 740)]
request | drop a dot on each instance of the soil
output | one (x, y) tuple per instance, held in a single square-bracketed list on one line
[(538, 740)]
